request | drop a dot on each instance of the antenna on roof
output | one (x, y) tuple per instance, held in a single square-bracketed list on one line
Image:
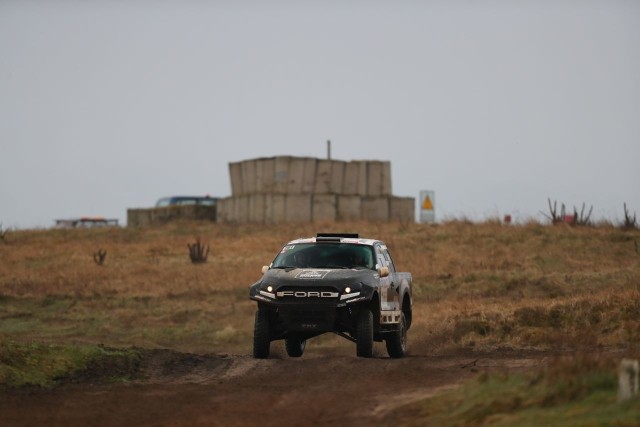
[(329, 149)]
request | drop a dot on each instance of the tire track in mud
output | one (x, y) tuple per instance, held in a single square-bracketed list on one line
[(240, 366), (317, 389), (163, 366)]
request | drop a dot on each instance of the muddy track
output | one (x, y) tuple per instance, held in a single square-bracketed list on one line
[(321, 388)]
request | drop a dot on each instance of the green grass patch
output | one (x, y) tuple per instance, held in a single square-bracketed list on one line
[(45, 365), (189, 323), (577, 392)]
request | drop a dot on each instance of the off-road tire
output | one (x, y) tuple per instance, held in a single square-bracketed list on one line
[(295, 346), (261, 335), (397, 341), (364, 338)]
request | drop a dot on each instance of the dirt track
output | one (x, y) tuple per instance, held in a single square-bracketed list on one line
[(321, 388)]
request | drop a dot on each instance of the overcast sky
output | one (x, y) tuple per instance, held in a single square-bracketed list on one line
[(495, 105)]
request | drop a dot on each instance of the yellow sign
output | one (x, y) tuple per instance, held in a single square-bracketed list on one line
[(427, 205), (428, 211)]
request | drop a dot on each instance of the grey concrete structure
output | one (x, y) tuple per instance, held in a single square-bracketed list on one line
[(402, 209), (323, 177), (350, 181), (298, 208), (296, 189), (275, 208), (303, 189), (337, 176), (305, 175), (324, 208), (349, 208), (375, 208)]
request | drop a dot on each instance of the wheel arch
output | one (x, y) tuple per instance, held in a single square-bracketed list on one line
[(407, 304)]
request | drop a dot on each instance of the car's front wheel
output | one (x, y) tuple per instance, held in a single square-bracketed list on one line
[(364, 338), (295, 345), (261, 335)]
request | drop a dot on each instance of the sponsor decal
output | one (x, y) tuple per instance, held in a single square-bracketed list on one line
[(287, 248), (312, 274)]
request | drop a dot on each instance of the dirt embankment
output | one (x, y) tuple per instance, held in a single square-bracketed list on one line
[(321, 388)]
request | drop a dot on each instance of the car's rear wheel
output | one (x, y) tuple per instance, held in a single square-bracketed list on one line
[(295, 345), (261, 335), (397, 340), (364, 338)]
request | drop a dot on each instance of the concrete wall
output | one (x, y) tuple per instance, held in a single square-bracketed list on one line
[(375, 209), (296, 175), (303, 189), (324, 208), (298, 208), (349, 208), (295, 189), (350, 180), (402, 209)]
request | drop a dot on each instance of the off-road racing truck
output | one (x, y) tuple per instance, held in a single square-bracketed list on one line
[(336, 283)]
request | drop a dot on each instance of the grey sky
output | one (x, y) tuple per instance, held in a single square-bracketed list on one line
[(495, 105)]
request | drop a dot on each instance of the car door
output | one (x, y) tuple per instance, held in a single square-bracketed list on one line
[(394, 279), (389, 299)]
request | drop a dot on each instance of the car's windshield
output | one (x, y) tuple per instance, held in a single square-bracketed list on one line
[(325, 255)]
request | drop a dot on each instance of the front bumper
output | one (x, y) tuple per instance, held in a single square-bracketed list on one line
[(317, 316)]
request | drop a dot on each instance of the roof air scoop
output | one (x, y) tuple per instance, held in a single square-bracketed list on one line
[(339, 235)]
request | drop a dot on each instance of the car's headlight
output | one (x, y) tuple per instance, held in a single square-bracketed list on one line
[(268, 292)]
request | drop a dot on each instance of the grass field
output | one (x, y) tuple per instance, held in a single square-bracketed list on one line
[(576, 391), (477, 287)]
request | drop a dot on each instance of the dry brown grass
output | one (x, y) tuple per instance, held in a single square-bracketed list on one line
[(479, 286)]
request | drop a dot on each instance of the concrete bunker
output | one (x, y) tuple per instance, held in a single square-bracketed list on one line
[(304, 189)]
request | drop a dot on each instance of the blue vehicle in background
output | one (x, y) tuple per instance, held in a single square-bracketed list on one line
[(186, 200)]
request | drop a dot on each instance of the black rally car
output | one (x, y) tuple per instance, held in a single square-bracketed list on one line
[(336, 283)]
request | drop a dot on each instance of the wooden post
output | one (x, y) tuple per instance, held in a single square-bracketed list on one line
[(627, 379)]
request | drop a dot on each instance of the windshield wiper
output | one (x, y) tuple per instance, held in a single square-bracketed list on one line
[(332, 266), (284, 267)]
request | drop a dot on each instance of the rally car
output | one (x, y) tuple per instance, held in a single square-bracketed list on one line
[(337, 283)]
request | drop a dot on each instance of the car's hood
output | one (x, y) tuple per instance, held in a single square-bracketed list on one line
[(319, 276)]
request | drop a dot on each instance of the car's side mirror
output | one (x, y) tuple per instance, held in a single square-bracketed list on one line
[(265, 268), (383, 271)]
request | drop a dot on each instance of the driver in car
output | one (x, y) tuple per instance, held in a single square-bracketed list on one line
[(301, 259)]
